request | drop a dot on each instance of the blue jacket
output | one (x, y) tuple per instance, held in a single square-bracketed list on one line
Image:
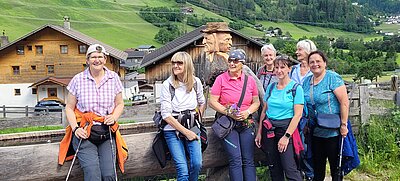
[(350, 152)]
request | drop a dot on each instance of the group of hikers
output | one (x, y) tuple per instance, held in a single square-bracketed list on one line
[(301, 110)]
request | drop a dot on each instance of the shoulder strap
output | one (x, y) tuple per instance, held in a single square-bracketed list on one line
[(243, 91), (172, 89), (270, 90), (294, 88)]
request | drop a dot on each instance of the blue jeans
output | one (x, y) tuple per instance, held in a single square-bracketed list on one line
[(177, 148), (239, 144), (95, 160)]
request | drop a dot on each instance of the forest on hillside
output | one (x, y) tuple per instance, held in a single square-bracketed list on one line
[(381, 6), (339, 14)]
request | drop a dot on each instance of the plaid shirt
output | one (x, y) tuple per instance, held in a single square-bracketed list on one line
[(91, 98)]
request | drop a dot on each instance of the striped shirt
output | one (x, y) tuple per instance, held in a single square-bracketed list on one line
[(91, 98)]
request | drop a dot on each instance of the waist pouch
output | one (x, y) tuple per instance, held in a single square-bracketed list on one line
[(99, 134), (283, 123), (328, 121)]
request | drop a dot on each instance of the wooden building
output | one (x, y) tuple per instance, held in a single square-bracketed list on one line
[(158, 63), (40, 64)]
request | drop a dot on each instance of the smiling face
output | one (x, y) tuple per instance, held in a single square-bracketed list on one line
[(301, 54), (281, 70), (96, 61), (234, 65), (317, 64), (178, 67), (268, 56)]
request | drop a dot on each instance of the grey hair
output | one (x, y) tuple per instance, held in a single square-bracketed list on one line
[(307, 45), (268, 46)]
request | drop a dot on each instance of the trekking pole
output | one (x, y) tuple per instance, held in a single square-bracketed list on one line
[(76, 153), (339, 171), (113, 155)]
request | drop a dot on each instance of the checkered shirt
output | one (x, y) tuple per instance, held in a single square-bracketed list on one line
[(91, 98)]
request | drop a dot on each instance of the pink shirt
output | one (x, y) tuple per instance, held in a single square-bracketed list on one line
[(91, 98), (230, 90)]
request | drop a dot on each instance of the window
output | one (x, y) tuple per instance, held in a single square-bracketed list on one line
[(17, 92), (29, 47), (20, 49), (39, 49), (63, 49), (82, 49), (52, 92), (15, 70), (50, 69), (33, 67), (34, 91)]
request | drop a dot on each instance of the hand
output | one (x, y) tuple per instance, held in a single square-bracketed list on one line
[(258, 139), (190, 135), (110, 119), (282, 144), (80, 133), (244, 114), (343, 130), (236, 117)]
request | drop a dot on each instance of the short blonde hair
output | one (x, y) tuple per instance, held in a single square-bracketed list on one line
[(188, 70), (307, 45)]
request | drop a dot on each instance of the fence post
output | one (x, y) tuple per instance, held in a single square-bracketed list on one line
[(394, 83), (4, 111), (364, 104), (26, 111)]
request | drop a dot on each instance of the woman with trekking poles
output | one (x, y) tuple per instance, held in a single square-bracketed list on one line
[(277, 132), (182, 105), (328, 105), (236, 110), (94, 104)]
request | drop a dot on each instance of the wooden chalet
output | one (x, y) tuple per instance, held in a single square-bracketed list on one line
[(40, 64), (158, 63)]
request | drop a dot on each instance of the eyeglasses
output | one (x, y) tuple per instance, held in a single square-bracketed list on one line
[(179, 63), (98, 57), (234, 60)]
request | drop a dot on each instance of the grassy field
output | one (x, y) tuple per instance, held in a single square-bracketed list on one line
[(297, 31), (388, 28)]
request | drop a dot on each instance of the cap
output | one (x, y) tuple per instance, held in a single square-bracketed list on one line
[(213, 27), (238, 54), (96, 48)]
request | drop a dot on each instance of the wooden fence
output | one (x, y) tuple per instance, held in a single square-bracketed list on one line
[(26, 110)]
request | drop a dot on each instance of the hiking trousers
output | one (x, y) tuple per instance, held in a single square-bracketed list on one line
[(96, 160), (323, 148)]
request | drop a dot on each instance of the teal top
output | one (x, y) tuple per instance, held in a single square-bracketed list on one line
[(324, 99), (280, 103)]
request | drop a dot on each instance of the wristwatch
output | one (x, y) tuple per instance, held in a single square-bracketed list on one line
[(75, 129), (287, 135)]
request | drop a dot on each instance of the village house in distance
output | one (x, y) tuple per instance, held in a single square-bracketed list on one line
[(39, 65)]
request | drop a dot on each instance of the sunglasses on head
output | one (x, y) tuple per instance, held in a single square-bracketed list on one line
[(234, 60), (177, 62)]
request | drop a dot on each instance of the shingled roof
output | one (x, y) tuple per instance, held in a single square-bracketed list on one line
[(179, 43), (118, 54)]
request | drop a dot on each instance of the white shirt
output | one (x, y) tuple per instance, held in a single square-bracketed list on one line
[(182, 99)]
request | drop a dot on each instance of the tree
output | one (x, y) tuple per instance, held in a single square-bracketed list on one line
[(370, 70)]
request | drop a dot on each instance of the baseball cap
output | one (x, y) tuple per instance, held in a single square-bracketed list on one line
[(237, 54), (96, 48)]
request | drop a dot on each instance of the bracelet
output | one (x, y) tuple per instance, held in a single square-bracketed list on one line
[(343, 124)]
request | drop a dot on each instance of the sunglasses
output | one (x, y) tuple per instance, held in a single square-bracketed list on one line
[(179, 63), (234, 60)]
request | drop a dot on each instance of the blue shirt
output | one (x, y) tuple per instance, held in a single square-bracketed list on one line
[(296, 75), (324, 99), (281, 102)]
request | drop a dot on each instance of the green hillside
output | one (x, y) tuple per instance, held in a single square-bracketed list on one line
[(117, 23)]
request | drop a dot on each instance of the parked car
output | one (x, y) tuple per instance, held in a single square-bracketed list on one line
[(51, 106), (139, 99)]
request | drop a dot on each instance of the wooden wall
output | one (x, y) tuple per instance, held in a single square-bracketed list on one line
[(65, 65), (161, 70)]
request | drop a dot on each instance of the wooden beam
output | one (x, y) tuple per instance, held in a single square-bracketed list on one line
[(39, 162)]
